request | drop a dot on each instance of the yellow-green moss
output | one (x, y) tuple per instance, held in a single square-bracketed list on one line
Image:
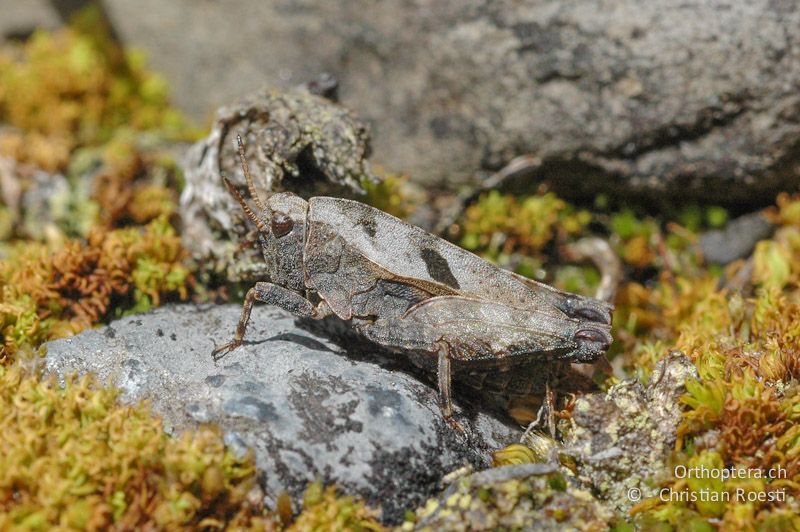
[(323, 509), (73, 458), (743, 338), (390, 194), (744, 411), (501, 224), (74, 88)]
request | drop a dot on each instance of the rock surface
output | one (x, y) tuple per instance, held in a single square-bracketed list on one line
[(308, 410), (21, 18), (696, 99)]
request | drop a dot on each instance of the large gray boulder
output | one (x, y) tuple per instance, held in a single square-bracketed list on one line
[(308, 409), (695, 99)]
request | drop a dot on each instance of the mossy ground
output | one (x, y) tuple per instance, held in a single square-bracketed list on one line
[(92, 115), (741, 328), (94, 118)]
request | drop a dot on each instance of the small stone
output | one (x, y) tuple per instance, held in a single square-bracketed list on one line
[(737, 239), (622, 439)]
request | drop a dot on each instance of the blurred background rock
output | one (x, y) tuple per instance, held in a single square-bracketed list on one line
[(657, 100)]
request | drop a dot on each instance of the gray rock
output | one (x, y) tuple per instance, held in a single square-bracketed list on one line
[(21, 18), (695, 99), (737, 239), (308, 410)]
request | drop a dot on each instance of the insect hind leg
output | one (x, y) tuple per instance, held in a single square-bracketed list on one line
[(404, 334)]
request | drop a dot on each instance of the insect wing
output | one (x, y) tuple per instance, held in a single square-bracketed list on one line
[(476, 329), (409, 252), (573, 305)]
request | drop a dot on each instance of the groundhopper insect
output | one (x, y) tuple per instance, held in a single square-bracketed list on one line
[(409, 291)]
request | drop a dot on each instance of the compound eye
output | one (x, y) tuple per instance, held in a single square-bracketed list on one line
[(590, 314), (281, 224)]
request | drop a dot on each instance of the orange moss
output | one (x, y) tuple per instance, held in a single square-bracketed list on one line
[(748, 427), (45, 295)]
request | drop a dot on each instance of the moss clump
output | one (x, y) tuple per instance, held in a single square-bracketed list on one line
[(73, 458), (739, 326), (132, 184), (498, 225), (742, 334), (74, 88), (46, 294), (323, 509)]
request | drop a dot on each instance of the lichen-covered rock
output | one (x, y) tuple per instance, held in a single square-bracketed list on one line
[(41, 205), (307, 408), (621, 440), (294, 141), (517, 497)]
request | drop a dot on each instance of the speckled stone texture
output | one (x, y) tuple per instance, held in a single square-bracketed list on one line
[(308, 409), (622, 439)]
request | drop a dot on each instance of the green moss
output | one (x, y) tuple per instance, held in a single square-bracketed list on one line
[(741, 412), (498, 224), (323, 509), (390, 194), (72, 457), (744, 342), (716, 217)]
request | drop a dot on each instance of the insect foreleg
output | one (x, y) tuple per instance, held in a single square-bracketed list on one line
[(271, 294)]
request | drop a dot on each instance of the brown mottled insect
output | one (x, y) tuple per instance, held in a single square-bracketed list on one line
[(410, 291)]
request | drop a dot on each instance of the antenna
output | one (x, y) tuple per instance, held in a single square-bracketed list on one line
[(248, 177), (245, 207)]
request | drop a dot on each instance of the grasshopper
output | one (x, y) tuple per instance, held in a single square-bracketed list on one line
[(409, 291)]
